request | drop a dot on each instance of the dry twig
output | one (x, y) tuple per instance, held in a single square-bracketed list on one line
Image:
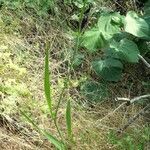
[(131, 101)]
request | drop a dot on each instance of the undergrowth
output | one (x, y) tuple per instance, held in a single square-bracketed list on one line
[(25, 28)]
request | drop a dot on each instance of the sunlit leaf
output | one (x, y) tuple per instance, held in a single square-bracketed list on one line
[(109, 24), (137, 26), (93, 40)]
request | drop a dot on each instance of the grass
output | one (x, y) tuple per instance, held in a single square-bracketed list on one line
[(22, 40)]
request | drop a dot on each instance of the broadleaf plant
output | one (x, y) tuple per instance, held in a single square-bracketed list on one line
[(118, 37), (93, 40), (137, 26), (109, 24), (110, 69), (126, 50)]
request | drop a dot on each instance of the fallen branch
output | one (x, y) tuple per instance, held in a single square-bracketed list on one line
[(139, 98), (144, 61), (131, 101)]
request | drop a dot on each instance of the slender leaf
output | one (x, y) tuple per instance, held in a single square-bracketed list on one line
[(47, 85), (68, 119), (30, 121), (49, 136), (54, 141)]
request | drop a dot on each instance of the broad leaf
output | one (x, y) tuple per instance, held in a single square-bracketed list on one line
[(137, 26), (147, 9), (110, 69), (93, 40), (109, 24), (125, 50), (147, 12)]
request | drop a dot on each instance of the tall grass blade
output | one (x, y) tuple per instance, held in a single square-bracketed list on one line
[(49, 136), (30, 121), (47, 84), (68, 119), (54, 141)]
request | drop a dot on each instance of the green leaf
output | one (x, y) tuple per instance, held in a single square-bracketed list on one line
[(109, 24), (110, 69), (68, 119), (54, 140), (49, 136), (93, 40), (147, 12), (47, 85), (147, 9), (30, 121), (125, 50), (137, 26)]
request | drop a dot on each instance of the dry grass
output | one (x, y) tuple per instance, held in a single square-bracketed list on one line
[(91, 123)]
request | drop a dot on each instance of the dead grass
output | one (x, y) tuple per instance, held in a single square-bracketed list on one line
[(91, 123)]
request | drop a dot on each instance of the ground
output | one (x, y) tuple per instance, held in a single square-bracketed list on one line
[(22, 52)]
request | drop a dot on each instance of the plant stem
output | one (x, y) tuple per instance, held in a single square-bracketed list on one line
[(77, 41), (144, 61)]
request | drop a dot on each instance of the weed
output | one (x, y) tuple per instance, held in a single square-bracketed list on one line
[(129, 141), (117, 36)]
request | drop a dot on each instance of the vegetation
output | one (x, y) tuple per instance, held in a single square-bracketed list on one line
[(74, 74)]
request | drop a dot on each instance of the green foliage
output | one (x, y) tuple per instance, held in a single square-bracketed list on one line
[(109, 24), (59, 144), (137, 26), (79, 3), (110, 69), (40, 7), (49, 136), (125, 50), (93, 40), (136, 140), (68, 119), (78, 60), (117, 35)]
